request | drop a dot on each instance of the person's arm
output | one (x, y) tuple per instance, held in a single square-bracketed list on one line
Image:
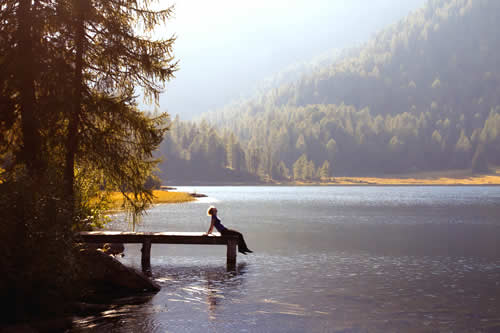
[(211, 227)]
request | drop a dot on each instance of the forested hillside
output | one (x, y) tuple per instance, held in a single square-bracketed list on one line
[(424, 94)]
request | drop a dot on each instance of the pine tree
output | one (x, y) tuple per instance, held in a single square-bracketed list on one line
[(69, 73), (300, 168), (325, 171), (110, 60)]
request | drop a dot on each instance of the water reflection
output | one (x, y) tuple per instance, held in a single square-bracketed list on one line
[(214, 294), (203, 291), (189, 294), (118, 314)]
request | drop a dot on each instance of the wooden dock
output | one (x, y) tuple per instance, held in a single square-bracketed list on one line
[(148, 238)]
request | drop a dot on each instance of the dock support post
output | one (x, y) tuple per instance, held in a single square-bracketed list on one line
[(146, 257), (231, 254)]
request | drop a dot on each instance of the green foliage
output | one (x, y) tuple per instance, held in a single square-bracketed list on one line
[(92, 200), (74, 108)]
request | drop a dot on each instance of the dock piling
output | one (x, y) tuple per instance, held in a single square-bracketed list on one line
[(146, 257), (231, 253)]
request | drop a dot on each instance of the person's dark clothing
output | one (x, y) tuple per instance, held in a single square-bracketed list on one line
[(220, 228), (242, 246)]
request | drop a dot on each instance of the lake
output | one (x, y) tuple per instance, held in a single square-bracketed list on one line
[(326, 259)]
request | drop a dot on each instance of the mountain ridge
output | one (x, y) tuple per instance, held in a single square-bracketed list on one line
[(422, 95)]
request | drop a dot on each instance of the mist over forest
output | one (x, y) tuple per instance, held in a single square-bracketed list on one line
[(228, 51), (420, 95)]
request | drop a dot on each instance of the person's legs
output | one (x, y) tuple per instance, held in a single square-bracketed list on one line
[(242, 245)]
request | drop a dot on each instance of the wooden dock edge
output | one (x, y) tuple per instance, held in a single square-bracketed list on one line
[(148, 238)]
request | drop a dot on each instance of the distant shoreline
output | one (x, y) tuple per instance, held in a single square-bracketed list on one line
[(332, 184), (435, 178)]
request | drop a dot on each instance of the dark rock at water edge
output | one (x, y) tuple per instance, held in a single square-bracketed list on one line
[(107, 276), (197, 195), (103, 283)]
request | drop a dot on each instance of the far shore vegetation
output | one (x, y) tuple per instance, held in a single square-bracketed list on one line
[(448, 177), (465, 177), (116, 199)]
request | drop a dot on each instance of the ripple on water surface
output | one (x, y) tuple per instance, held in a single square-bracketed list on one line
[(368, 259), (319, 292)]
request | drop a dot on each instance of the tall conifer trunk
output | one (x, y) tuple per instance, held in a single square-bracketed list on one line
[(31, 148), (74, 118)]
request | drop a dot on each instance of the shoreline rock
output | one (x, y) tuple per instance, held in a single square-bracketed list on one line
[(198, 195), (103, 283), (106, 275), (167, 188)]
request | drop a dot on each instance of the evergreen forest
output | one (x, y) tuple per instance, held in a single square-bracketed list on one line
[(421, 95)]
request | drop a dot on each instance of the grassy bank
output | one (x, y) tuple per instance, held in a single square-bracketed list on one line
[(449, 177), (160, 197)]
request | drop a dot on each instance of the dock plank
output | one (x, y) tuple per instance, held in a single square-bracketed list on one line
[(155, 237), (149, 238)]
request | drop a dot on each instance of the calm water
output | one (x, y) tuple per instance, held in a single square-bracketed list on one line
[(327, 259)]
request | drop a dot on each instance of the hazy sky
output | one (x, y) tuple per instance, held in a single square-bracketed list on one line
[(226, 48)]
